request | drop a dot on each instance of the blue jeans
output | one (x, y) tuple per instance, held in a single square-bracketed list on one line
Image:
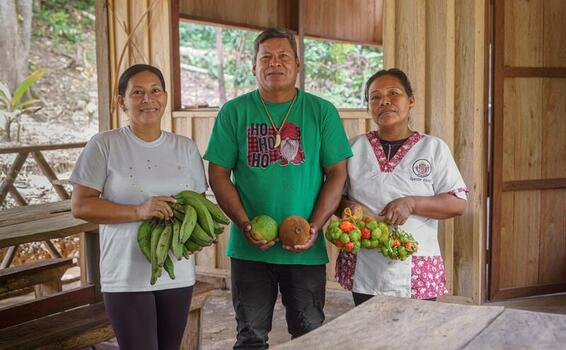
[(255, 286)]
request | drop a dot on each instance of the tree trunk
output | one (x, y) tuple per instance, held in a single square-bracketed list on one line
[(15, 35), (239, 61), (220, 54)]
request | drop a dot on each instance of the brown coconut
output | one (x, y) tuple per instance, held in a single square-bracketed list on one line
[(294, 230)]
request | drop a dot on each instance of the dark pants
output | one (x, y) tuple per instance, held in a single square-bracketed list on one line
[(360, 298), (255, 287), (149, 320)]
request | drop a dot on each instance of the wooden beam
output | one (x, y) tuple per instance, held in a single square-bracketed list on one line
[(50, 147), (531, 185), (176, 89), (17, 196), (534, 72), (35, 309), (12, 174), (27, 275), (8, 257), (104, 78), (515, 292), (389, 38), (49, 174), (301, 15), (73, 329)]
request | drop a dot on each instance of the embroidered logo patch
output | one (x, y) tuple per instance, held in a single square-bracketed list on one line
[(422, 168), (261, 145)]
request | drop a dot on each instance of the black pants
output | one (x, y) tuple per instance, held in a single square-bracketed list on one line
[(149, 320), (254, 293), (360, 298)]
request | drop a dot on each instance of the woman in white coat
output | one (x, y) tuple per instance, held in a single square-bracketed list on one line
[(409, 180)]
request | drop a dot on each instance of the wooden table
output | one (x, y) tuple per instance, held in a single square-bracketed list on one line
[(42, 222), (35, 223), (389, 322)]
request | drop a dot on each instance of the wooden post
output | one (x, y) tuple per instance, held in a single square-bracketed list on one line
[(89, 261)]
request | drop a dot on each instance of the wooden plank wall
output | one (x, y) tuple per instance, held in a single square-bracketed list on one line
[(148, 23), (197, 124), (353, 21), (529, 226), (440, 44), (245, 13)]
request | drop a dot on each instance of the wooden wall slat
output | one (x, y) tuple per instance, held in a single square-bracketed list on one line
[(160, 47), (470, 147), (554, 34), (121, 25), (439, 107), (506, 241), (139, 49), (524, 19), (552, 249), (410, 28), (554, 127), (526, 239)]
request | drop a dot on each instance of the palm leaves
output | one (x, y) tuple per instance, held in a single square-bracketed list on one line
[(13, 105)]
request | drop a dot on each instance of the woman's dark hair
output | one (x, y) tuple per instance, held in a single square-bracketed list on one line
[(397, 73), (133, 70), (272, 33)]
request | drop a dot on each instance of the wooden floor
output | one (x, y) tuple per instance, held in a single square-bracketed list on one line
[(554, 303)]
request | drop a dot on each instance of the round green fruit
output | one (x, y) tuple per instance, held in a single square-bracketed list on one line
[(264, 228)]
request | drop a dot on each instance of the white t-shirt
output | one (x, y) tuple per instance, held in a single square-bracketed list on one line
[(128, 170), (423, 166)]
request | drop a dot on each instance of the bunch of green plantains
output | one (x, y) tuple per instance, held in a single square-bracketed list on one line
[(195, 225)]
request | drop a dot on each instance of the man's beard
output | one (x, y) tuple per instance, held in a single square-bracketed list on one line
[(289, 149)]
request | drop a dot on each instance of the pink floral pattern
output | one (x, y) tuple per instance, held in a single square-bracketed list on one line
[(345, 268), (385, 165), (427, 277)]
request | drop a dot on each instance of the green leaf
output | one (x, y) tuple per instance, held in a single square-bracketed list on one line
[(26, 84), (5, 94), (26, 103)]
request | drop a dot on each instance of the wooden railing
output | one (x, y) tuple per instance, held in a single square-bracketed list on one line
[(7, 184)]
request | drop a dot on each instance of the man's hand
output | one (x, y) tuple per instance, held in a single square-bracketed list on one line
[(301, 248), (397, 211), (261, 245)]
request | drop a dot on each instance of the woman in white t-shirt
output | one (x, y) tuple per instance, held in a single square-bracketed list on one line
[(409, 180), (127, 175)]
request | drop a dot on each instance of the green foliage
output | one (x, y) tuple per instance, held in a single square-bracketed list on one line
[(335, 71), (13, 105), (64, 19), (338, 71), (237, 51)]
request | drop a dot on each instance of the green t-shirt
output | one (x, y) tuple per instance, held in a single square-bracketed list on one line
[(282, 181)]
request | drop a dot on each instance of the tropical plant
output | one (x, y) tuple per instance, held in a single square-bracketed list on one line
[(12, 106)]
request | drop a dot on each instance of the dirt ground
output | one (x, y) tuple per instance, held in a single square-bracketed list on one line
[(219, 325)]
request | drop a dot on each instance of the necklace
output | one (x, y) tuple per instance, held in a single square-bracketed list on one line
[(277, 129)]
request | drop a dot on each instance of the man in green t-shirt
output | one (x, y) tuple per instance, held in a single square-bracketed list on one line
[(286, 150)]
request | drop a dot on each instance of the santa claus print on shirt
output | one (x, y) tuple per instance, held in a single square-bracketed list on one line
[(261, 145)]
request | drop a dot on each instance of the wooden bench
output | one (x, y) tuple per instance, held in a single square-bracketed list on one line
[(79, 327), (44, 276)]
